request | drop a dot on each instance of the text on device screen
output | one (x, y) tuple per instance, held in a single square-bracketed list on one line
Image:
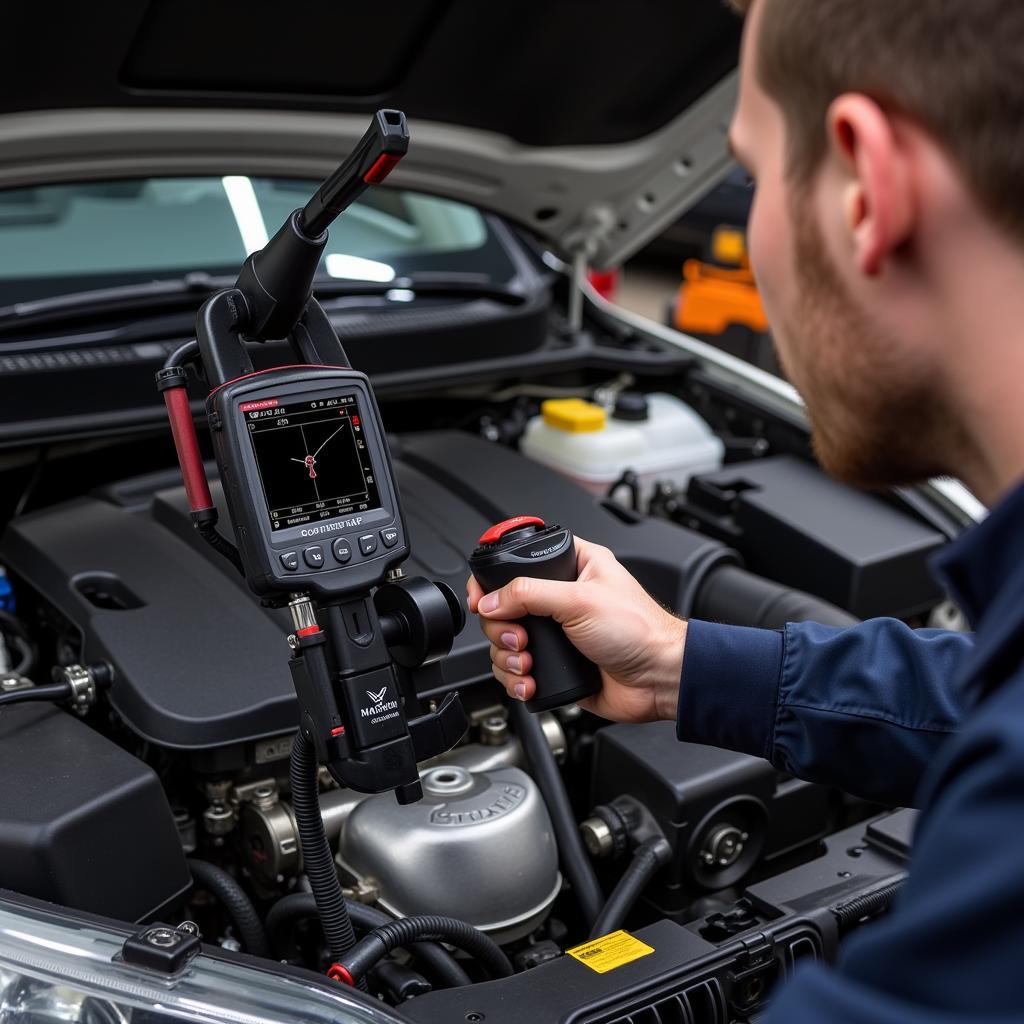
[(312, 458)]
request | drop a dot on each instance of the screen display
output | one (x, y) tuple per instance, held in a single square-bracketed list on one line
[(312, 458)]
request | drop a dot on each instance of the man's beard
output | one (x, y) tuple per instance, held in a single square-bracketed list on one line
[(877, 415)]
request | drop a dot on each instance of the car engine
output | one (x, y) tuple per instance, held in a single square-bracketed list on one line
[(163, 791)]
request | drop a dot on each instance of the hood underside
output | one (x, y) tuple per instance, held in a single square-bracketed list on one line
[(592, 122)]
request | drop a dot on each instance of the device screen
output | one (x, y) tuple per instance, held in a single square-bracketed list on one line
[(312, 458)]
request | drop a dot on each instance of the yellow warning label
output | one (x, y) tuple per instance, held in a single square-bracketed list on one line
[(610, 951)]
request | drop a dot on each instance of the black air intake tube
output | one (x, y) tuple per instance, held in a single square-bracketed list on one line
[(731, 594), (236, 902)]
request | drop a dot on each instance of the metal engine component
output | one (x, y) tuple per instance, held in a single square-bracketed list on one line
[(489, 833)]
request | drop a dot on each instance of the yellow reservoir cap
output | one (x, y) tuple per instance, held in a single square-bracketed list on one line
[(573, 415)]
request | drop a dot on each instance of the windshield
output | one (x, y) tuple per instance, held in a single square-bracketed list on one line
[(56, 239)]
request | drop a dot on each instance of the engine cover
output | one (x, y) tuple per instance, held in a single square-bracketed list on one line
[(199, 664), (478, 847)]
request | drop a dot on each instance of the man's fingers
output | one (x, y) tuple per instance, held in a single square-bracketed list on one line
[(511, 662), (509, 635), (518, 687), (528, 596), (473, 593)]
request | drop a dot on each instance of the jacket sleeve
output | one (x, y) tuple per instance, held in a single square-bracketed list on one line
[(949, 950), (864, 708)]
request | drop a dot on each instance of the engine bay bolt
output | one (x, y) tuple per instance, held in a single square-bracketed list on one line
[(494, 731), (163, 937), (724, 846), (218, 819), (597, 837)]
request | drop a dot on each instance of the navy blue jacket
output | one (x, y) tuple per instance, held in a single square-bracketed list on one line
[(919, 718)]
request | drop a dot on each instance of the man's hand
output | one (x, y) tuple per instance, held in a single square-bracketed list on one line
[(636, 643)]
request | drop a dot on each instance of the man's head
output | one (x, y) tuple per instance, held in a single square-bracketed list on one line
[(881, 134)]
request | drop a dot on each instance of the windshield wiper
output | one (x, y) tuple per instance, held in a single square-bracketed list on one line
[(125, 298), (153, 296)]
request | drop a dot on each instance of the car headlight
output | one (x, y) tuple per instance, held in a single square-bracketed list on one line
[(56, 968)]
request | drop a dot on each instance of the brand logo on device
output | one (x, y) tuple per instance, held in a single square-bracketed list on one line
[(342, 524), (263, 403), (377, 698)]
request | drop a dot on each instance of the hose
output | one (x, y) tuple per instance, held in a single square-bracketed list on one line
[(575, 862), (183, 354), (868, 905), (352, 967), (52, 691), (289, 909), (650, 857), (316, 852), (208, 531), (235, 901)]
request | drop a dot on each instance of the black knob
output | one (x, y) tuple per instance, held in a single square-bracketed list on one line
[(524, 546), (630, 406)]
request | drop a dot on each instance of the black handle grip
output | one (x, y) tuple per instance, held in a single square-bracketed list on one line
[(562, 674)]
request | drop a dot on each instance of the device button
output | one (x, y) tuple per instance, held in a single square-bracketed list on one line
[(389, 537), (342, 550), (367, 543), (314, 557), (290, 560)]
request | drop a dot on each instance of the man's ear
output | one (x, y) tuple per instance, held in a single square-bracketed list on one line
[(877, 202)]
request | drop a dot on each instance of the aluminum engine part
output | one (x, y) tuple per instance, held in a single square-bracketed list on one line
[(479, 847)]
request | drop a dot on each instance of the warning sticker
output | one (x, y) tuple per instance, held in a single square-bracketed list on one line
[(610, 951)]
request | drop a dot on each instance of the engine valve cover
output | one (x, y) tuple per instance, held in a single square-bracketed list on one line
[(477, 847)]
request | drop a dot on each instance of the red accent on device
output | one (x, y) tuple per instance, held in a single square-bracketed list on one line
[(338, 730), (337, 972), (381, 169), (197, 489), (496, 532), (263, 403), (308, 631)]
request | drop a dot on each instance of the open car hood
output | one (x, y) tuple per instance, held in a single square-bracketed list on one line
[(594, 123)]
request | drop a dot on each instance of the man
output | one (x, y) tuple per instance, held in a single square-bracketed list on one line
[(886, 138)]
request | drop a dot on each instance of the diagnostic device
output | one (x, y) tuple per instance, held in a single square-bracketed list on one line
[(315, 512), (525, 546)]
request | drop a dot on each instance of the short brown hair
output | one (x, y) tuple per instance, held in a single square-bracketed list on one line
[(955, 66)]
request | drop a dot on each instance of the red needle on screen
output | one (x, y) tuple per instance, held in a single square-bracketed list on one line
[(310, 461)]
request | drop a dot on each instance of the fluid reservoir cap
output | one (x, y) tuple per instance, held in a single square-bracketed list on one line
[(630, 405), (573, 415), (499, 530)]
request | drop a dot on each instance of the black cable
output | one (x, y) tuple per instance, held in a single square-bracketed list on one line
[(235, 901), (316, 851), (648, 859), (183, 354), (52, 691), (208, 531), (575, 861), (289, 909), (381, 941)]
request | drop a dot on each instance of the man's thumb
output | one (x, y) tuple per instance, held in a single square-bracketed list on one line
[(526, 595)]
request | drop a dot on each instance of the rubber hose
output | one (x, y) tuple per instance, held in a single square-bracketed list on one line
[(289, 909), (848, 915), (183, 354), (544, 769), (731, 594), (381, 941), (52, 691), (220, 544), (316, 851), (650, 857), (235, 901)]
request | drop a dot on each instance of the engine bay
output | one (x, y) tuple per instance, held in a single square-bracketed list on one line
[(593, 871)]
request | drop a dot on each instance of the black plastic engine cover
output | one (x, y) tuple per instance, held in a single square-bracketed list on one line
[(199, 664), (82, 822)]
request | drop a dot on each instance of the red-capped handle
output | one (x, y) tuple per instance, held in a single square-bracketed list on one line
[(496, 532)]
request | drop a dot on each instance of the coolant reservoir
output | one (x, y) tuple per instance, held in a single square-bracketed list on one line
[(657, 436)]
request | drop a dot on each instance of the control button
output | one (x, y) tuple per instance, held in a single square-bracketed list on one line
[(290, 560), (389, 536), (314, 556), (367, 543), (342, 550)]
